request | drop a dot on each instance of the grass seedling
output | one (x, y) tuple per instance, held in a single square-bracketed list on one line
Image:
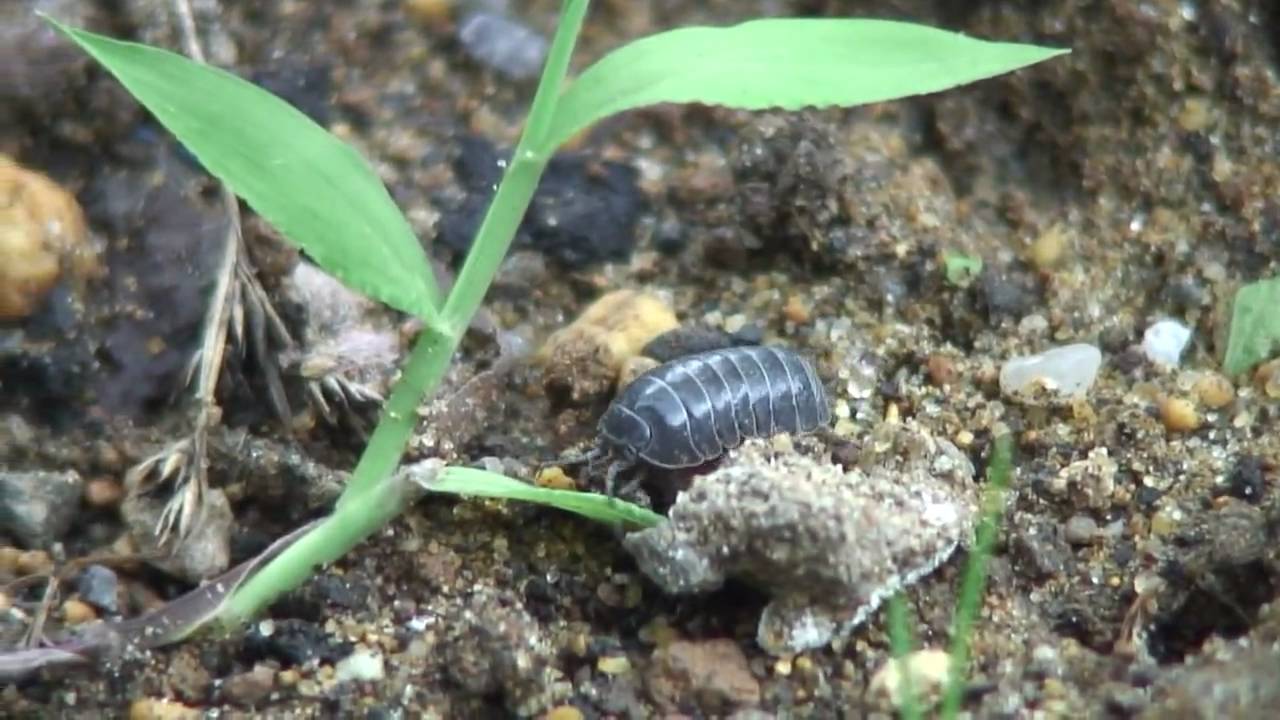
[(975, 573), (902, 645), (971, 592), (960, 269), (323, 197)]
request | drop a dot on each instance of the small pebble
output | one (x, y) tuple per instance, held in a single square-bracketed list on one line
[(1164, 342), (929, 670), (38, 507), (1179, 414), (99, 586), (1214, 390), (362, 664), (942, 370), (564, 712), (1048, 249), (1162, 524), (103, 493), (503, 44), (250, 687), (659, 632), (1267, 376), (1080, 530), (735, 323), (161, 709), (42, 237), (77, 612), (432, 13), (797, 310), (9, 560), (609, 594), (1066, 371), (555, 478), (613, 665), (33, 562)]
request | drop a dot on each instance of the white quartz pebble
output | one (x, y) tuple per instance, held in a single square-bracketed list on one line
[(1164, 342), (363, 665), (1067, 371)]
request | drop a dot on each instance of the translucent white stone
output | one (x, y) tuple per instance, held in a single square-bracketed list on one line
[(1067, 371), (363, 665), (1164, 342)]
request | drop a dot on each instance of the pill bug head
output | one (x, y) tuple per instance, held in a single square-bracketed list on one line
[(626, 433)]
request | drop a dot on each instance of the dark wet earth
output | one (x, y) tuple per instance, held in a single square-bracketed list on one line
[(1136, 180)]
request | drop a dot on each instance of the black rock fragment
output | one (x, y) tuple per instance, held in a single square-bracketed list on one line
[(584, 212)]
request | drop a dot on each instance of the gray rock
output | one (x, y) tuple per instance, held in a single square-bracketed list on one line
[(1239, 685), (513, 49), (204, 553), (37, 508), (1080, 530), (828, 545), (99, 586)]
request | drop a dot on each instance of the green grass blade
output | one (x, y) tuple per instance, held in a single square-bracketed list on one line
[(520, 181), (975, 572), (903, 644), (784, 63), (311, 186), (1255, 326), (482, 483)]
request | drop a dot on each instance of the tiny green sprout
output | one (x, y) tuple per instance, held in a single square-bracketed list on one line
[(1255, 326), (960, 269)]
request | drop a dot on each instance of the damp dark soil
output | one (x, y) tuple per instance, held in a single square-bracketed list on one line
[(1134, 180)]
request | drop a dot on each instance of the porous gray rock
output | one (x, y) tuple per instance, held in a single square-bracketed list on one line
[(828, 544)]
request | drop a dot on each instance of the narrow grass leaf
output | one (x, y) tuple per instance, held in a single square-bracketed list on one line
[(310, 185), (169, 623), (973, 585), (481, 483), (787, 63), (903, 645), (1255, 326)]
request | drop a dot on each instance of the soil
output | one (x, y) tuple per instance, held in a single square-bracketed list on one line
[(1136, 179)]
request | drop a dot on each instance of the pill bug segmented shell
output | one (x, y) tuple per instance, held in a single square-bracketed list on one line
[(693, 409)]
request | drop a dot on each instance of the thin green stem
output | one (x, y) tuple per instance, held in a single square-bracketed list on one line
[(350, 523), (975, 575), (374, 497), (902, 644), (501, 222), (428, 361), (551, 84)]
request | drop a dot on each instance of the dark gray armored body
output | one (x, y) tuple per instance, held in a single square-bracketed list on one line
[(692, 409)]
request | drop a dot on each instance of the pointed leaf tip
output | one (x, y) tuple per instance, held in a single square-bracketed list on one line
[(315, 189), (787, 63)]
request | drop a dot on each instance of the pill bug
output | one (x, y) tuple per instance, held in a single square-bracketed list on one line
[(695, 408)]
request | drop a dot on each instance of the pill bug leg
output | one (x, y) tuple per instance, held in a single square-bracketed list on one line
[(616, 468)]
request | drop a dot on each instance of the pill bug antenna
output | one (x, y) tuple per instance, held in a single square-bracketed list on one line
[(588, 458)]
